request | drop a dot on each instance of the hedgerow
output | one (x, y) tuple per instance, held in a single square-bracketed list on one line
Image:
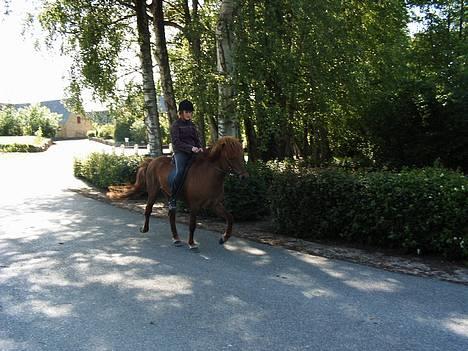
[(418, 210)]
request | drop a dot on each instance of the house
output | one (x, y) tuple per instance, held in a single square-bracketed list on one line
[(72, 125)]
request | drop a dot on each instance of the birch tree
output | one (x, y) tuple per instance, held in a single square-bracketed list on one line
[(149, 90), (95, 33), (162, 58), (227, 119)]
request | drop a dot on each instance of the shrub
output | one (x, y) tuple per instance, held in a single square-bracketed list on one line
[(37, 119), (19, 148), (138, 132), (10, 125), (415, 209), (103, 170), (106, 131), (247, 199)]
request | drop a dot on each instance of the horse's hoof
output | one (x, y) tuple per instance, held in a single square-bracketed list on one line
[(221, 241), (193, 247), (143, 230), (177, 242)]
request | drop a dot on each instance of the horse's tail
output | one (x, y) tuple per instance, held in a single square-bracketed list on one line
[(117, 192)]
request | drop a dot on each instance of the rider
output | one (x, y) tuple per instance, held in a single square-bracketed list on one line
[(185, 143)]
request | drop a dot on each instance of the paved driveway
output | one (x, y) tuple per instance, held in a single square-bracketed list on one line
[(75, 274)]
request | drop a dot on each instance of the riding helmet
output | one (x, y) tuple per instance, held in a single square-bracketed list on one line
[(185, 105)]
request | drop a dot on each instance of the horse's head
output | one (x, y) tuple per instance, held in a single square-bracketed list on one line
[(228, 150)]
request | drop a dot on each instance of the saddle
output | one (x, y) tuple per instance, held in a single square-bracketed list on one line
[(171, 175)]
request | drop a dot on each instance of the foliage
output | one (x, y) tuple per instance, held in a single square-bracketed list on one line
[(37, 118), (415, 209), (31, 120), (102, 169), (305, 70), (194, 66), (24, 144), (10, 124), (94, 34), (417, 127), (105, 131), (247, 199), (138, 132), (321, 81)]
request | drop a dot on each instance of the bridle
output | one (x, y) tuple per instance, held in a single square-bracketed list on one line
[(231, 170)]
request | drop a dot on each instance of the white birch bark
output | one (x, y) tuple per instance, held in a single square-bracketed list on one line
[(227, 119), (149, 89)]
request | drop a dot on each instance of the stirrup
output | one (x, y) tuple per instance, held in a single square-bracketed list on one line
[(172, 204)]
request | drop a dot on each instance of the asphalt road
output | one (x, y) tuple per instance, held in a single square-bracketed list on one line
[(76, 274)]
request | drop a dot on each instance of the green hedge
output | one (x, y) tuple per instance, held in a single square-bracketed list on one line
[(247, 198), (20, 148), (103, 170), (24, 143), (422, 210)]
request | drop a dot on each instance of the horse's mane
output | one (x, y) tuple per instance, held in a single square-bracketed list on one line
[(226, 147)]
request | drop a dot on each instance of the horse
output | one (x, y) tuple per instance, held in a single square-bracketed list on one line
[(203, 187)]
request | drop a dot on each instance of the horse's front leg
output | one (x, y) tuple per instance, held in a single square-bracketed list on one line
[(221, 211), (192, 227), (149, 208)]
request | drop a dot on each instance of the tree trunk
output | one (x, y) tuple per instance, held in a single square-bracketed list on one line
[(462, 15), (227, 121), (193, 35), (162, 58), (149, 90), (252, 143)]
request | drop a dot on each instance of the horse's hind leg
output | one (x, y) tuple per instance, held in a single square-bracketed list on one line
[(192, 227), (175, 235), (221, 211), (149, 208)]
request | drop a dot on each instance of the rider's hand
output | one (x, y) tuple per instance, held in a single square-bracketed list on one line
[(196, 149)]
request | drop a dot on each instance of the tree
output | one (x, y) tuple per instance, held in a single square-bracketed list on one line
[(228, 124), (96, 33), (149, 89), (163, 58)]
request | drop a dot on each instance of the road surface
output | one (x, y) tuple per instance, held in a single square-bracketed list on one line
[(76, 274)]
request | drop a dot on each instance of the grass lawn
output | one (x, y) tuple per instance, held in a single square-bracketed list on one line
[(23, 143)]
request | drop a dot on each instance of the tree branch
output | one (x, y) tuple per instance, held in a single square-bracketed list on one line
[(126, 4), (173, 24)]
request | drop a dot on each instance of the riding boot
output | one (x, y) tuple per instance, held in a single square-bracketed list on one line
[(172, 203)]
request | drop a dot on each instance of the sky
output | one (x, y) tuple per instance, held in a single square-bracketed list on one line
[(26, 74)]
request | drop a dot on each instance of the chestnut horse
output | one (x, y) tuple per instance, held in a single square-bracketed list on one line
[(203, 186)]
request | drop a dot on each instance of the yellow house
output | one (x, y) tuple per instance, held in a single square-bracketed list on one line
[(75, 126), (72, 125)]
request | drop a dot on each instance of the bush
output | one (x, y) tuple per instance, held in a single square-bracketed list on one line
[(10, 124), (122, 130), (415, 209), (138, 132), (103, 170), (105, 131), (19, 148), (247, 199), (37, 119)]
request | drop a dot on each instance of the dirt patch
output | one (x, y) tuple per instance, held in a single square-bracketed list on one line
[(263, 232)]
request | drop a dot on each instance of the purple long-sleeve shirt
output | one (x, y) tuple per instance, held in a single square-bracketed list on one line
[(184, 136)]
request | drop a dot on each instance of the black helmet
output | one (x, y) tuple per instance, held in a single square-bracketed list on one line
[(185, 105)]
